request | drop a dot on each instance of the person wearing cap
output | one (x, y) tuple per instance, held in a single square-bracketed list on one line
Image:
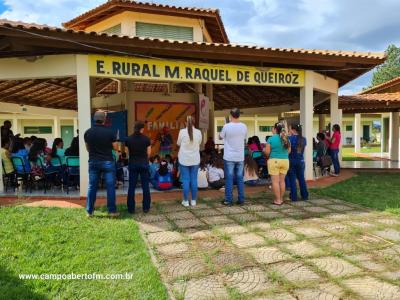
[(234, 134), (100, 141)]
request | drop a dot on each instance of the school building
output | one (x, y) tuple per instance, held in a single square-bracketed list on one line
[(159, 63)]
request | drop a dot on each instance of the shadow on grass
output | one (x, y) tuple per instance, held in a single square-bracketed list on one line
[(12, 287)]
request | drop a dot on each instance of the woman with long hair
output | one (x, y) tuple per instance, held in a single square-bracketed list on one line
[(277, 150), (189, 140), (57, 152), (334, 149), (250, 171), (296, 163)]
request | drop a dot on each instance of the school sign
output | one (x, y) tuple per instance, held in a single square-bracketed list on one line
[(181, 71)]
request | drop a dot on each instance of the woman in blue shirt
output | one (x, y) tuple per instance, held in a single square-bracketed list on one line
[(296, 163)]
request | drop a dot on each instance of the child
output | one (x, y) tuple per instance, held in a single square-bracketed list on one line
[(202, 174), (154, 166), (216, 174), (250, 171), (163, 178), (176, 173), (168, 158)]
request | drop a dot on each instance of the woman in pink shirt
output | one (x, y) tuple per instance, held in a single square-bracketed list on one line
[(334, 149)]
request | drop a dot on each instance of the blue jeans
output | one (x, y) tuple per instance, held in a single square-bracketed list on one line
[(296, 171), (134, 171), (189, 181), (95, 169), (335, 160), (234, 169)]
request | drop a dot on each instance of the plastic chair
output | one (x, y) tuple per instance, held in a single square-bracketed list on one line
[(47, 173), (22, 173), (8, 178), (72, 169)]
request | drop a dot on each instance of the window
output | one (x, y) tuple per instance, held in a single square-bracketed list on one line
[(349, 127), (164, 31), (265, 128), (113, 30), (219, 128), (38, 130)]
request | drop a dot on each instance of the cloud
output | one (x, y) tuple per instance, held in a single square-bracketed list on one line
[(50, 12), (361, 25)]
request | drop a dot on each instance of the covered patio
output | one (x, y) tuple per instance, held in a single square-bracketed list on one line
[(51, 67)]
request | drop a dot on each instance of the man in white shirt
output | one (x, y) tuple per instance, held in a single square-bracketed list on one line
[(234, 135)]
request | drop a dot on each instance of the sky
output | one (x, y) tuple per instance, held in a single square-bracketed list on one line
[(359, 25)]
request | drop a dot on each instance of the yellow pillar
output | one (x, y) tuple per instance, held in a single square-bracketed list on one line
[(84, 116), (306, 120), (57, 128)]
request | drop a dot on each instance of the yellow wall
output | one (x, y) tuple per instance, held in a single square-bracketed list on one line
[(128, 21)]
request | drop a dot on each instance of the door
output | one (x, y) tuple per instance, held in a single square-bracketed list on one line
[(366, 136), (67, 133)]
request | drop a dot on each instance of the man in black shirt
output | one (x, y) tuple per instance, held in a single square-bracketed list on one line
[(139, 152), (6, 132), (100, 141)]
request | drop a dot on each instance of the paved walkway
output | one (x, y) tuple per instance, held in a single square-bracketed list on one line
[(320, 249), (62, 200)]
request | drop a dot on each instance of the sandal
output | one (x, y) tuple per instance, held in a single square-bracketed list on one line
[(275, 203)]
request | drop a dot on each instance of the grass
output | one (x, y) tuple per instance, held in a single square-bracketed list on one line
[(355, 158), (349, 151), (375, 190), (64, 241)]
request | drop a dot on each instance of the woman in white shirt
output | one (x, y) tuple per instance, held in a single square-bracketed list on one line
[(189, 141)]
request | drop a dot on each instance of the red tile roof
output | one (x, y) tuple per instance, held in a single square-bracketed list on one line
[(331, 53), (363, 98), (212, 17), (383, 87)]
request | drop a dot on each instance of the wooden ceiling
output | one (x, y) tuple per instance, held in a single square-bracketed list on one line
[(52, 93)]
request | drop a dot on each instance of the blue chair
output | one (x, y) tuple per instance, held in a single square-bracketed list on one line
[(72, 169), (22, 173), (50, 174)]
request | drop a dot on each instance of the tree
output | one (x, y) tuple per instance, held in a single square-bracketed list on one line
[(390, 69)]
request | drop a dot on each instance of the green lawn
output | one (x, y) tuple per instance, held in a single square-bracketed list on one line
[(354, 158), (376, 190), (63, 241), (350, 151)]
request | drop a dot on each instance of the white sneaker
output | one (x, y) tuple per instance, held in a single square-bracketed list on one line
[(193, 203), (185, 203)]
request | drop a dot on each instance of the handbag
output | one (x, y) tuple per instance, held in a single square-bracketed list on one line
[(326, 160)]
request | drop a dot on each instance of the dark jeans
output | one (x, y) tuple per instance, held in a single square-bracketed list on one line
[(136, 169), (217, 184), (296, 171), (335, 160), (96, 168)]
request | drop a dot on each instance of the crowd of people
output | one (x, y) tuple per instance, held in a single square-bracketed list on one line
[(278, 163), (33, 158)]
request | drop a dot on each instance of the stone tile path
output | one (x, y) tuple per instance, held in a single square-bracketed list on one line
[(320, 249)]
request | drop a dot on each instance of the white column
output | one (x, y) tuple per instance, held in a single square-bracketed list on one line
[(210, 95), (75, 125), (56, 126), (357, 132), (199, 90), (256, 125), (335, 113), (321, 122), (84, 109), (394, 136), (15, 125), (306, 120)]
